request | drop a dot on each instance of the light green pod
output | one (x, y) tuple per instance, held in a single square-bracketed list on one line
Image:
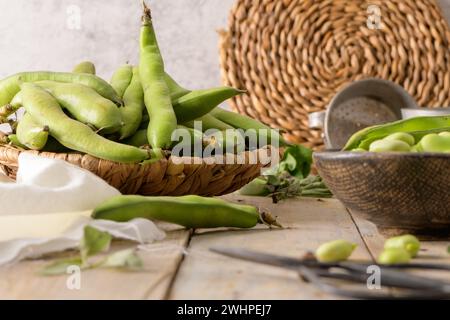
[(434, 143), (133, 100), (13, 140), (121, 79), (163, 120), (188, 211), (84, 67), (334, 251), (389, 146), (10, 86), (401, 136), (86, 105), (31, 134), (394, 256), (140, 139), (209, 122), (46, 111), (176, 91), (200, 102), (240, 121), (407, 242)]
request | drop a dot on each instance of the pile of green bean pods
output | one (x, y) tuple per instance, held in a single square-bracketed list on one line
[(420, 134), (130, 119)]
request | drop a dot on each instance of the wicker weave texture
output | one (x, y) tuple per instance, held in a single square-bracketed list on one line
[(293, 56), (160, 178)]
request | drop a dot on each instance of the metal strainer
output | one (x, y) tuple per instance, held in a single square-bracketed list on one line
[(359, 105)]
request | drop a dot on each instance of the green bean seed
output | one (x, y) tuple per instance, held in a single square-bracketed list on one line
[(121, 79), (133, 100), (10, 86), (401, 136), (334, 251), (74, 135), (394, 256), (407, 242), (188, 211), (434, 143), (163, 120), (389, 146), (30, 134), (84, 67)]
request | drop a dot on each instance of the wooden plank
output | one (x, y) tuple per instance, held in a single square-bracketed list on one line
[(161, 261), (308, 222)]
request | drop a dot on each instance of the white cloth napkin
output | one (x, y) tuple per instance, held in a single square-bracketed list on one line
[(48, 207)]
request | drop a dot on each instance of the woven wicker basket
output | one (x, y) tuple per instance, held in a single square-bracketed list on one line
[(294, 55), (160, 178)]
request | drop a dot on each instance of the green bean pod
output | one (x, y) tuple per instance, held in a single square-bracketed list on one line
[(121, 79), (176, 91), (419, 125), (13, 140), (163, 120), (140, 139), (31, 134), (86, 105), (133, 100), (200, 102), (239, 121), (10, 86), (188, 211), (209, 122), (73, 134), (84, 67)]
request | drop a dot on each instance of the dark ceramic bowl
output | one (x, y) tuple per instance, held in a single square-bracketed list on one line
[(399, 192)]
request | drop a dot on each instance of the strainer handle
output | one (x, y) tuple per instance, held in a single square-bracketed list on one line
[(316, 120)]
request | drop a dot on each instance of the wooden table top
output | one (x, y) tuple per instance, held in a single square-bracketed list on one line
[(182, 267)]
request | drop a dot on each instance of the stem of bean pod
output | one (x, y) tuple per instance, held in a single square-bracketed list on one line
[(147, 16), (5, 111), (268, 219)]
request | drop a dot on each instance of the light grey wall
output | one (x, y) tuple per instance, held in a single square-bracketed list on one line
[(42, 34), (37, 34)]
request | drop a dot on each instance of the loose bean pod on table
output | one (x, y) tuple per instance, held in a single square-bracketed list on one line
[(121, 79), (31, 134), (46, 111), (163, 120), (200, 102), (133, 106), (86, 105), (10, 86), (84, 67), (188, 211)]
